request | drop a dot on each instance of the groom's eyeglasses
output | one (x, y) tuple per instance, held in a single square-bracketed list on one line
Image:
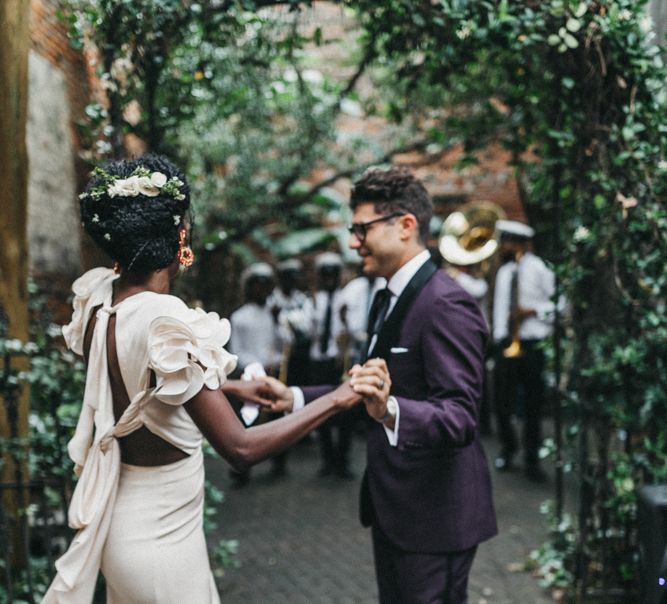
[(359, 229)]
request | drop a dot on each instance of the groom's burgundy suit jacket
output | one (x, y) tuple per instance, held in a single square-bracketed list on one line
[(432, 492)]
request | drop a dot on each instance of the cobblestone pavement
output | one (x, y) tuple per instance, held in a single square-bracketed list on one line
[(301, 542)]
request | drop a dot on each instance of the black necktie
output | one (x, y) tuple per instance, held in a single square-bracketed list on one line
[(377, 315), (326, 331), (370, 298), (514, 298)]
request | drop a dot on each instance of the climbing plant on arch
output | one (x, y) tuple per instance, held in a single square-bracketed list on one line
[(579, 85)]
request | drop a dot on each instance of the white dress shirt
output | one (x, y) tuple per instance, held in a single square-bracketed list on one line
[(254, 338), (536, 291)]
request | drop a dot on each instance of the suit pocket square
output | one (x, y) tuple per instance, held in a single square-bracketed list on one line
[(398, 350)]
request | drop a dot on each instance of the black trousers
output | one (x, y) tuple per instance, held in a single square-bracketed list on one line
[(417, 578), (520, 380)]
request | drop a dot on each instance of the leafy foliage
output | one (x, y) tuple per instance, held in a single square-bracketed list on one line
[(575, 90), (230, 90)]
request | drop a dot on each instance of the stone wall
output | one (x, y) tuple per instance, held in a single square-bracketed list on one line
[(53, 223), (657, 9)]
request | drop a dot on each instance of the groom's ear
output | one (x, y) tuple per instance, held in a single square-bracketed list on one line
[(409, 226)]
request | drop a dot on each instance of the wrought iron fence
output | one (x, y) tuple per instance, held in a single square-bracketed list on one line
[(33, 508)]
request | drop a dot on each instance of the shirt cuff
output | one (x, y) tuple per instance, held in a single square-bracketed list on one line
[(392, 435), (299, 400)]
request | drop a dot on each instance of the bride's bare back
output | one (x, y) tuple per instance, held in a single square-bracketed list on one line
[(141, 447)]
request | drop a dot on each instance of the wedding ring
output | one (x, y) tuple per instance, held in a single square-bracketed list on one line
[(381, 385)]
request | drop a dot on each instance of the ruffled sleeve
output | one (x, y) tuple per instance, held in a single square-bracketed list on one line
[(90, 289), (186, 352)]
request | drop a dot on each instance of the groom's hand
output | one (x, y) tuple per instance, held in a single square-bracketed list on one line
[(373, 383)]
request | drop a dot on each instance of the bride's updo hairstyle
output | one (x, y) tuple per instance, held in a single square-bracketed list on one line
[(133, 209)]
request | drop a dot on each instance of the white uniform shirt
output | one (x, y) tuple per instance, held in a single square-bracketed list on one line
[(476, 287), (254, 337), (296, 312), (536, 290), (357, 297), (320, 302), (296, 299)]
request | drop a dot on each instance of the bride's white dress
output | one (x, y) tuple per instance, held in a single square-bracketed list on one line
[(141, 526)]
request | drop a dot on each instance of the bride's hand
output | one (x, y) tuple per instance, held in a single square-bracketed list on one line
[(265, 391), (344, 397), (275, 395)]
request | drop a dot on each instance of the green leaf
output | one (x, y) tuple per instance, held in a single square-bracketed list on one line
[(299, 242), (599, 202)]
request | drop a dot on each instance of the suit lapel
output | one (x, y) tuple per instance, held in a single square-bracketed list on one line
[(392, 325)]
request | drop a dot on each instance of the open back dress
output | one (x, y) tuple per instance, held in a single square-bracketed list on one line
[(142, 526)]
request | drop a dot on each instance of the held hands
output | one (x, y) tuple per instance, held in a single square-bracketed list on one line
[(370, 383), (373, 383), (265, 391), (274, 395)]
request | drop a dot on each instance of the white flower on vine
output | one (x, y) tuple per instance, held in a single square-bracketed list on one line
[(107, 236), (120, 71), (646, 24), (464, 31), (95, 218), (581, 233), (177, 220), (626, 202)]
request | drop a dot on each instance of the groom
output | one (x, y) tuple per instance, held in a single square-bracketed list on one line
[(426, 492)]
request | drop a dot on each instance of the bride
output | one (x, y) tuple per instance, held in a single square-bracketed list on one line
[(155, 383)]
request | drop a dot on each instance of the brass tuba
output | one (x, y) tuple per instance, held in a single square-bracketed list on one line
[(468, 235)]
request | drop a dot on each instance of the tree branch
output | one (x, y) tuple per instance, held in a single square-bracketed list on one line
[(368, 57), (295, 201)]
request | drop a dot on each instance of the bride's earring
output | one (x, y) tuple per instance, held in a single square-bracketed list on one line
[(185, 254)]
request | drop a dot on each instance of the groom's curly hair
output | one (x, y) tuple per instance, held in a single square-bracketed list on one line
[(394, 190), (141, 233)]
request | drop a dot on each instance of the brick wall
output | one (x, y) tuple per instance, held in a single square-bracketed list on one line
[(48, 36)]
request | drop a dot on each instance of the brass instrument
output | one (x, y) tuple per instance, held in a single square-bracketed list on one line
[(468, 236), (514, 350)]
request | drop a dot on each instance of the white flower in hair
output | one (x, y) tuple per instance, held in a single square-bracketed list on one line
[(158, 179), (140, 182), (146, 186), (124, 187)]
